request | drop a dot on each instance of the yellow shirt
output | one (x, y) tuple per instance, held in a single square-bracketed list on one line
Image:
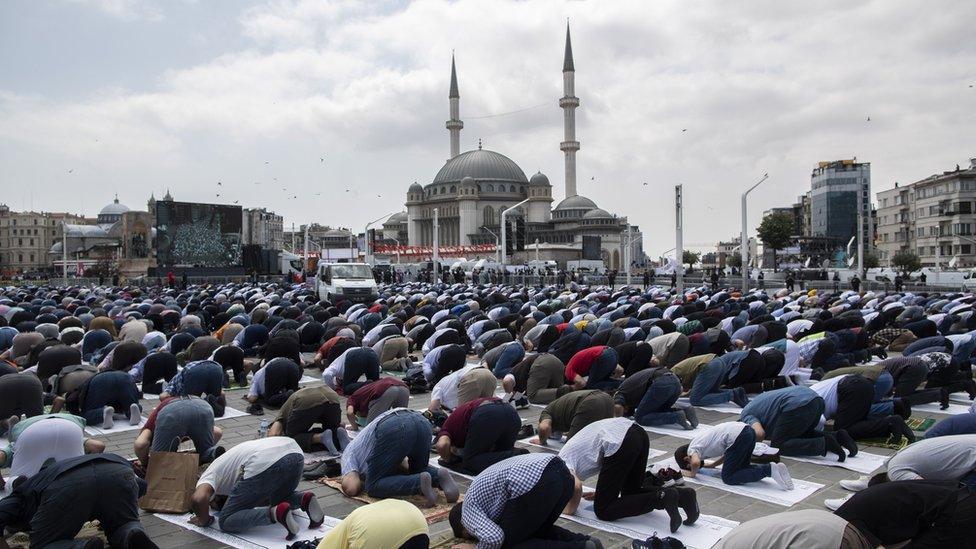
[(381, 525)]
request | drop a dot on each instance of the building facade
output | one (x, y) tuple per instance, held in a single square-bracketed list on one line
[(26, 237), (260, 227), (472, 189), (838, 190), (934, 217)]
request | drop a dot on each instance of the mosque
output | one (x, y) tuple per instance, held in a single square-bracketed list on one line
[(472, 189)]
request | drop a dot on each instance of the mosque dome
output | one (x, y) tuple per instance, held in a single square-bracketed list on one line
[(539, 179), (482, 165), (597, 213), (576, 203), (397, 218), (112, 212), (415, 188)]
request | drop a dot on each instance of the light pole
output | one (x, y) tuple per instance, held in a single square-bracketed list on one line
[(744, 243), (366, 234), (64, 251), (435, 255), (679, 250), (503, 216), (498, 251), (398, 249)]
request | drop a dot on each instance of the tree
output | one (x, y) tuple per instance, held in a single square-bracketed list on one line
[(775, 231), (733, 260), (906, 261), (871, 261), (689, 257)]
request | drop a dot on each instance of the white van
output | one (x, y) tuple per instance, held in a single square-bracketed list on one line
[(352, 281)]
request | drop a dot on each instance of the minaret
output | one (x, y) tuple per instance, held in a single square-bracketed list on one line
[(568, 103), (454, 125)]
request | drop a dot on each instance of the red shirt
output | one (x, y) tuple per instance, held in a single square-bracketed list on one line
[(581, 362), (365, 395), (151, 422), (456, 425)]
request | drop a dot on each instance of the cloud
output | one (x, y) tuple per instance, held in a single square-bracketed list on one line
[(766, 87)]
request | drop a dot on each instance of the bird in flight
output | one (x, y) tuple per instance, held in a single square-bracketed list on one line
[(236, 201), (219, 183), (257, 183), (266, 162), (347, 190), (684, 129), (71, 170), (318, 194), (645, 183), (869, 119), (218, 195), (323, 159)]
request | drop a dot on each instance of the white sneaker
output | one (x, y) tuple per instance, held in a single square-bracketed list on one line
[(108, 417), (855, 485), (834, 504), (781, 474)]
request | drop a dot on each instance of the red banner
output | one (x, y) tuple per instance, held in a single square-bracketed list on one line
[(443, 251)]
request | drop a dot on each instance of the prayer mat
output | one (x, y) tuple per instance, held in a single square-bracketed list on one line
[(765, 490), (864, 463), (705, 533), (920, 424), (21, 540), (265, 536), (676, 430), (121, 425), (933, 408), (885, 442), (433, 514)]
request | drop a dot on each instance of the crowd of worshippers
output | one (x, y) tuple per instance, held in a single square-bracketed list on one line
[(809, 371)]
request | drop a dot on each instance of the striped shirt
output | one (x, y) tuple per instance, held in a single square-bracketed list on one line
[(490, 491), (584, 452)]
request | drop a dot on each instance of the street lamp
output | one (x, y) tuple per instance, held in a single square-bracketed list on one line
[(366, 233), (497, 248), (744, 244)]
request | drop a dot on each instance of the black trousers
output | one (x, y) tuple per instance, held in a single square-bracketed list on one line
[(854, 397), (20, 394), (618, 488), (97, 490), (529, 520), (908, 378), (358, 365), (639, 360), (159, 367), (280, 381), (492, 432), (299, 423)]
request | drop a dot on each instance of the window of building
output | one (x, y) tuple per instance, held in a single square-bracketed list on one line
[(20, 241), (491, 188), (965, 249), (20, 258), (31, 258), (31, 243)]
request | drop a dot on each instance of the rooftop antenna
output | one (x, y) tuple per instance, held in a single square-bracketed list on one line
[(479, 143)]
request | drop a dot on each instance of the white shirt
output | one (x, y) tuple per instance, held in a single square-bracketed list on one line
[(714, 442), (828, 390), (429, 343), (246, 460), (335, 370), (584, 452), (446, 390), (797, 326)]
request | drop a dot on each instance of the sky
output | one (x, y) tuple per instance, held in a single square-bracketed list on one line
[(326, 111)]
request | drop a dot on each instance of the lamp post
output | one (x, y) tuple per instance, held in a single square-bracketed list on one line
[(744, 243), (498, 250), (366, 234), (503, 216), (678, 244), (435, 255), (64, 251)]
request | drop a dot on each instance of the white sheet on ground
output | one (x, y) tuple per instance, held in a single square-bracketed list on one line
[(260, 537), (864, 463), (121, 425), (765, 490), (705, 533), (315, 457), (7, 488), (726, 407), (552, 444), (231, 413), (307, 379), (961, 398), (933, 408), (678, 431)]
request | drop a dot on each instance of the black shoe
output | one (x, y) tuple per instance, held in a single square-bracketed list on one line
[(668, 500), (831, 444), (879, 352), (255, 409), (526, 431), (902, 407), (138, 539), (521, 403), (93, 543), (688, 501), (944, 398)]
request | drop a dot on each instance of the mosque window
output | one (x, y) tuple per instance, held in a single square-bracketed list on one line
[(511, 188), (453, 189), (488, 216), (491, 188)]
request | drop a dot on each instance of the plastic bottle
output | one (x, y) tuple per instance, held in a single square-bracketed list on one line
[(263, 429)]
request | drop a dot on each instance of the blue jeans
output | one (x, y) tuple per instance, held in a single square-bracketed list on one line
[(707, 389), (601, 370), (963, 351), (655, 407), (112, 388), (192, 418), (511, 355), (248, 502), (203, 379), (736, 467), (399, 435)]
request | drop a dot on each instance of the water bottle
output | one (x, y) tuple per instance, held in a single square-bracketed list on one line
[(263, 429)]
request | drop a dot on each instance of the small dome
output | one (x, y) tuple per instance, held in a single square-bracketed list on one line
[(539, 179), (597, 213), (332, 233), (576, 203), (396, 219), (114, 209), (416, 188), (467, 180)]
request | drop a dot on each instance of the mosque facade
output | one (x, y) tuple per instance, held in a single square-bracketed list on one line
[(472, 189)]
